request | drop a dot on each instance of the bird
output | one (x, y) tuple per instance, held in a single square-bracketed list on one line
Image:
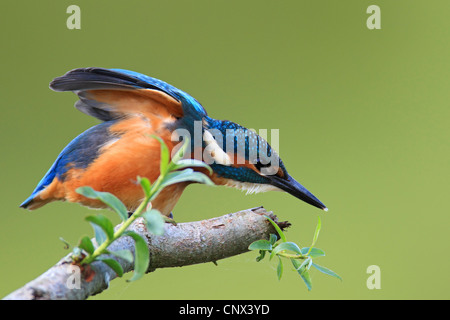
[(134, 107)]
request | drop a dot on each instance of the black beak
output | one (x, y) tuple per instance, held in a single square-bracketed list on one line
[(291, 186)]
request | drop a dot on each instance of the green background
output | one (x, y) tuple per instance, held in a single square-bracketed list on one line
[(363, 118)]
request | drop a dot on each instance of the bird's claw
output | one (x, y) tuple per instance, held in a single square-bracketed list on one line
[(169, 220)]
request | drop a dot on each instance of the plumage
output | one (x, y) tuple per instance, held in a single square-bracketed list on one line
[(133, 107)]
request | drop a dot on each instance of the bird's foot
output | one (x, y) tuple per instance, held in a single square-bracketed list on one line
[(170, 219)]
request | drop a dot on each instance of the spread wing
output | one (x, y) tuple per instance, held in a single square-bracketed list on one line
[(109, 94)]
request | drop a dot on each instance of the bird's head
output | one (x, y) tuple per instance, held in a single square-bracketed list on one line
[(242, 159)]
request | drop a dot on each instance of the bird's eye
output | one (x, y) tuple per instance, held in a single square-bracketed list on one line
[(259, 165)]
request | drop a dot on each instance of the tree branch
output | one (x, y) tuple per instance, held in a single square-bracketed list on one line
[(181, 245)]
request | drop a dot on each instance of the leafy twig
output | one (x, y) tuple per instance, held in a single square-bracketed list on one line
[(175, 171), (301, 258)]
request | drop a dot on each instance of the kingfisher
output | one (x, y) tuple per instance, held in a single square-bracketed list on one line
[(134, 107)]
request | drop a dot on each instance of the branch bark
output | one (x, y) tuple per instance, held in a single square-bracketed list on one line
[(181, 245)]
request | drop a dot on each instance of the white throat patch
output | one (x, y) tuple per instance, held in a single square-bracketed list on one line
[(215, 151), (251, 188)]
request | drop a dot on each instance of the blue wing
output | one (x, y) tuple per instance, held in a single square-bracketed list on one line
[(79, 153), (86, 80)]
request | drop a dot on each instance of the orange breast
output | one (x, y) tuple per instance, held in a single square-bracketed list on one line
[(135, 153)]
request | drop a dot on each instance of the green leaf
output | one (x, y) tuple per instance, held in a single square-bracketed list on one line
[(316, 234), (154, 222), (296, 263), (326, 271), (142, 255), (184, 176), (88, 192), (277, 228), (107, 198), (86, 245), (313, 252), (189, 163), (260, 245), (279, 269), (165, 156), (181, 176), (145, 184), (113, 264), (303, 273), (304, 266), (290, 246), (262, 254), (273, 238), (123, 254), (181, 151), (104, 223), (100, 235), (307, 279), (309, 263), (187, 175)]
